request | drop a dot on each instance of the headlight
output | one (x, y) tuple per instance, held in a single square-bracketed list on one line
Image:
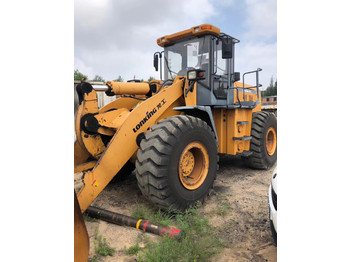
[(195, 75), (192, 75)]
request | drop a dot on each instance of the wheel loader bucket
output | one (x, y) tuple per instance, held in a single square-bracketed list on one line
[(81, 237)]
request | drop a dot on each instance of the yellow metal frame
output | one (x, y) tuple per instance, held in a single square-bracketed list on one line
[(230, 123), (92, 144), (117, 121), (123, 145)]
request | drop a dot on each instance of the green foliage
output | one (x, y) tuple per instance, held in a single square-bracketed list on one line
[(223, 208), (133, 250), (98, 78), (221, 197), (89, 219), (158, 217), (79, 76), (271, 90), (151, 78), (119, 79), (93, 259), (198, 240), (101, 246)]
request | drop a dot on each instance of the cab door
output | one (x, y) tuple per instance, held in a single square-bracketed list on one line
[(220, 71)]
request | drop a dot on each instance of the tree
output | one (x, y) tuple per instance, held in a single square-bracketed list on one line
[(271, 90), (98, 78), (275, 88), (78, 75), (151, 78), (119, 79)]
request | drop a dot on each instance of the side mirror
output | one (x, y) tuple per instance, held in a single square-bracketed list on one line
[(226, 48), (155, 61)]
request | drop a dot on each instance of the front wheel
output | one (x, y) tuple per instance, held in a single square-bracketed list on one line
[(177, 162)]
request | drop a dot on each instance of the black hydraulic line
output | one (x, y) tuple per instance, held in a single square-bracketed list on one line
[(141, 224), (164, 84), (190, 88), (134, 97)]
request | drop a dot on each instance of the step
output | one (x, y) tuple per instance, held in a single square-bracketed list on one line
[(243, 138)]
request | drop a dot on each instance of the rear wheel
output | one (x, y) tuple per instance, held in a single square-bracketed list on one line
[(264, 140), (177, 162)]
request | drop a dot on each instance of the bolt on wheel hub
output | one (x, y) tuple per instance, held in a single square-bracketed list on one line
[(187, 164)]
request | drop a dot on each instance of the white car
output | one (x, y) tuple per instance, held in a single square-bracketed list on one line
[(272, 199)]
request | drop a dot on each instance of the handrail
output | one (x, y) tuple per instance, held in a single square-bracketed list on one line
[(257, 83)]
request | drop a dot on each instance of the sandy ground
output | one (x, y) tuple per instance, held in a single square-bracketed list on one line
[(245, 225)]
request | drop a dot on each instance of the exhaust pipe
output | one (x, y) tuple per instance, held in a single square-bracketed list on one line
[(141, 224)]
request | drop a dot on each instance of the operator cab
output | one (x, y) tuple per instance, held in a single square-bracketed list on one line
[(205, 48)]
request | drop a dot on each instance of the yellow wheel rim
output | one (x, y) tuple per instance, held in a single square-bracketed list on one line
[(271, 141), (193, 165)]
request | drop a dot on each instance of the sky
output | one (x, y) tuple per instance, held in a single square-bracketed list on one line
[(113, 38)]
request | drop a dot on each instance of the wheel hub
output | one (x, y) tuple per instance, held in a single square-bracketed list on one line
[(193, 165), (271, 141), (187, 164)]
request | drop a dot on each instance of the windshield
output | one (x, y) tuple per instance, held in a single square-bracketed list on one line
[(186, 55)]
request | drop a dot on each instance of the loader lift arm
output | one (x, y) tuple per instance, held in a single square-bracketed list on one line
[(122, 146)]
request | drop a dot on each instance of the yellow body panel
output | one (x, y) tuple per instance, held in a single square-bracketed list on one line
[(91, 143), (80, 154), (123, 144), (112, 118), (220, 120), (226, 123), (248, 96), (169, 111), (227, 128), (121, 102), (257, 108), (236, 130), (84, 167)]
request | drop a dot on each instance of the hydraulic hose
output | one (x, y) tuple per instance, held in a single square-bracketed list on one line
[(141, 224)]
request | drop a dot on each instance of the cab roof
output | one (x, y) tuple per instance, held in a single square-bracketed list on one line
[(204, 29)]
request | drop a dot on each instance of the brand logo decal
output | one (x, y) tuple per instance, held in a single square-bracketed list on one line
[(149, 115)]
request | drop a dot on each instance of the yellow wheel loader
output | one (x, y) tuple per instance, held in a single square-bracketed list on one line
[(174, 129)]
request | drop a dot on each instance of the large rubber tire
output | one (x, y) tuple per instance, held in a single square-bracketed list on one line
[(262, 123), (157, 164)]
